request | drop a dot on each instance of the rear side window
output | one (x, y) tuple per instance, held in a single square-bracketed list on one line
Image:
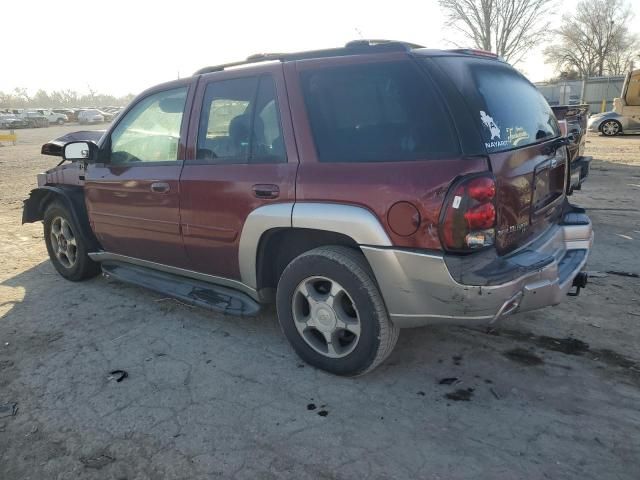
[(376, 113), (240, 122), (511, 113)]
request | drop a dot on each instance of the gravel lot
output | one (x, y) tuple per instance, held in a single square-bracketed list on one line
[(550, 394)]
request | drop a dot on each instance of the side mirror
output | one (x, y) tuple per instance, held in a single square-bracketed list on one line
[(75, 151)]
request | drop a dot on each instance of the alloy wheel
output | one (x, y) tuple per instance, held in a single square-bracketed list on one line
[(63, 242), (326, 317), (610, 128)]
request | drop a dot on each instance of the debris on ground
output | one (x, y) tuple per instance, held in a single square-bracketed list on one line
[(118, 375), (323, 413), (311, 406), (495, 394), (448, 381), (97, 462), (8, 409)]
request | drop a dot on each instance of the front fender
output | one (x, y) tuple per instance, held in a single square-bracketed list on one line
[(71, 197)]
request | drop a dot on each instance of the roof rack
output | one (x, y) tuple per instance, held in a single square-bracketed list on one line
[(351, 48)]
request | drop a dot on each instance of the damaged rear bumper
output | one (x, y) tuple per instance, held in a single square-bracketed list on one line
[(423, 288)]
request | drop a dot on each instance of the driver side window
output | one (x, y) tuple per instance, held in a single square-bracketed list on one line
[(150, 132)]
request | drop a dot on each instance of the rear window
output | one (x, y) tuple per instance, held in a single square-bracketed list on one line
[(511, 113), (376, 113)]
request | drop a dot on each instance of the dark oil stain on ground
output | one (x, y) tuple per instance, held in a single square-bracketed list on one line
[(523, 357), (576, 347), (460, 395)]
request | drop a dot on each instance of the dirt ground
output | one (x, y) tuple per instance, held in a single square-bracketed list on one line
[(549, 394)]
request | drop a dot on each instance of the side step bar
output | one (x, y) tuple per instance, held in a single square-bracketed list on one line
[(195, 292)]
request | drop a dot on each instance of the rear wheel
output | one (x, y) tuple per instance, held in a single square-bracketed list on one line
[(66, 246), (611, 128), (332, 313)]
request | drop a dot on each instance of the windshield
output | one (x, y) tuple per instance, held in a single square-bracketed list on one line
[(511, 113)]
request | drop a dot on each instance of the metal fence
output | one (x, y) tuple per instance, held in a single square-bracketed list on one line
[(597, 92)]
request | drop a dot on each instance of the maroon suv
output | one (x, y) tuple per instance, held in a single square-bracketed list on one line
[(362, 189)]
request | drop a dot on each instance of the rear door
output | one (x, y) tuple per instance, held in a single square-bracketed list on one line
[(521, 137), (242, 156), (133, 197)]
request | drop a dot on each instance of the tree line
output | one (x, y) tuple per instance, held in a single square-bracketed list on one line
[(594, 40), (20, 98)]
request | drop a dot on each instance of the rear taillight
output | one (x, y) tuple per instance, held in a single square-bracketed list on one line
[(469, 214)]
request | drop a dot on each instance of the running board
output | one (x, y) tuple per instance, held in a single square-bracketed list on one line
[(195, 292)]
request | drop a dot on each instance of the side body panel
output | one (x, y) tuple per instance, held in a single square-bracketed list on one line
[(217, 198)]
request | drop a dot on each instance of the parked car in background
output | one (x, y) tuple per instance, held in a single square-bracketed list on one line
[(625, 117), (90, 116), (10, 121), (53, 117), (108, 116), (71, 114), (34, 119), (575, 118), (361, 189)]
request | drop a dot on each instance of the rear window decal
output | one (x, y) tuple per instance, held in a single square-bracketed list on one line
[(517, 135), (488, 122)]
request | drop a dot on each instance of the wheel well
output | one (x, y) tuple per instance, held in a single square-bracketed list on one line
[(281, 245), (70, 196)]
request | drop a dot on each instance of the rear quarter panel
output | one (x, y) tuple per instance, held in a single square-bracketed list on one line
[(376, 186)]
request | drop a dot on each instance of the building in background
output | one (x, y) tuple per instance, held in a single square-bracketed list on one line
[(597, 92)]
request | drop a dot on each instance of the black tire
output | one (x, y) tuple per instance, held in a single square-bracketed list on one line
[(616, 128), (349, 268), (82, 266), (60, 121)]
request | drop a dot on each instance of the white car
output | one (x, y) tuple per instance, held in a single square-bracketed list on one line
[(90, 116), (53, 117)]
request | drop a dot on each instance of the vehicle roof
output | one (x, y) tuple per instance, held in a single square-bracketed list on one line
[(356, 47)]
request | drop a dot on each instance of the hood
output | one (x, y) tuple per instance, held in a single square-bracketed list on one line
[(54, 147)]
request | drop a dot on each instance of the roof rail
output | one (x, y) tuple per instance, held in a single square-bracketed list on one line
[(351, 48)]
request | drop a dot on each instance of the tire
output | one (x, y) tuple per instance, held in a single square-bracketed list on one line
[(611, 128), (67, 248), (60, 121), (343, 303)]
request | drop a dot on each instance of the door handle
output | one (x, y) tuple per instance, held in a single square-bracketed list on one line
[(160, 187), (266, 191)]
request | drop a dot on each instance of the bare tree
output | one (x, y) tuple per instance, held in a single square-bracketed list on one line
[(595, 40), (509, 28)]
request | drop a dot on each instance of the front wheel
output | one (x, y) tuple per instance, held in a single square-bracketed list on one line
[(611, 128), (60, 121), (66, 246), (331, 311)]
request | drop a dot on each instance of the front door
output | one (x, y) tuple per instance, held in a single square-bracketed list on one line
[(241, 157), (133, 197)]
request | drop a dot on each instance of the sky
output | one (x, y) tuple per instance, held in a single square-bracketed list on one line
[(119, 47)]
